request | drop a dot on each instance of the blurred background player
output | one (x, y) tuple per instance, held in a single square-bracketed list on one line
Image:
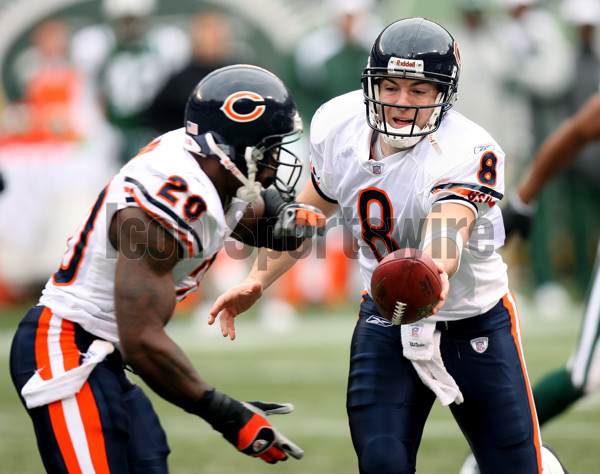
[(146, 243), (130, 58), (327, 59), (210, 37), (534, 38)]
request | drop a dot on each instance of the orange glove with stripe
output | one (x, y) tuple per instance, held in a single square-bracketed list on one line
[(296, 219), (246, 427)]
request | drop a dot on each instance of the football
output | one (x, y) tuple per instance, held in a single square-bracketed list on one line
[(405, 286)]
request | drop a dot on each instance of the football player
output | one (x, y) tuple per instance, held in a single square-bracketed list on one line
[(559, 389), (416, 173), (145, 244)]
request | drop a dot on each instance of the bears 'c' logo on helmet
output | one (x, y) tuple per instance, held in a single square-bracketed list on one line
[(228, 106)]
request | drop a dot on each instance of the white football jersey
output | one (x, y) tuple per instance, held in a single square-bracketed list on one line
[(385, 200), (165, 181)]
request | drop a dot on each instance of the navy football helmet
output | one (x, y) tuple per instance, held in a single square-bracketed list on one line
[(412, 48), (245, 115)]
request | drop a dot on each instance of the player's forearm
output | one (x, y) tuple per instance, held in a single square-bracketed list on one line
[(561, 148), (446, 252), (166, 369), (271, 264), (448, 227), (143, 308), (553, 156)]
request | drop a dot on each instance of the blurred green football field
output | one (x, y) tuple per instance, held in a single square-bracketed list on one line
[(306, 363)]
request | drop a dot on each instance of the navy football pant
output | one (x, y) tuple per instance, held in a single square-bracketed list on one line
[(388, 404), (109, 426)]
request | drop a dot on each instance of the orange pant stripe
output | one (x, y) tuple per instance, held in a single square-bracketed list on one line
[(510, 304)]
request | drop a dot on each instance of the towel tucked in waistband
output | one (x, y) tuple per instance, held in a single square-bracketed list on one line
[(421, 345), (38, 392)]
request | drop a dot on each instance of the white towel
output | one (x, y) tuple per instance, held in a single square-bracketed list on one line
[(421, 345), (38, 392)]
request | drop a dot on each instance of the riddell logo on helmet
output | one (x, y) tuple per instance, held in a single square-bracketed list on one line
[(416, 66), (228, 106)]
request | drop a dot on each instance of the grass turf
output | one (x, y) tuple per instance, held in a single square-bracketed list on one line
[(306, 364)]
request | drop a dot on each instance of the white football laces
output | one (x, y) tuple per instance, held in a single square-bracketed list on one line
[(398, 313)]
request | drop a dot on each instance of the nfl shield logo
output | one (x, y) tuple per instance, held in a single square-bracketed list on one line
[(480, 344), (376, 169), (415, 331)]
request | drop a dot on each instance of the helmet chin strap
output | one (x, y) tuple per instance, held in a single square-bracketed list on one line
[(250, 189)]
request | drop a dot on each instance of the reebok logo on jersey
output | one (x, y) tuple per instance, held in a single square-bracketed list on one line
[(379, 321), (480, 344), (480, 148)]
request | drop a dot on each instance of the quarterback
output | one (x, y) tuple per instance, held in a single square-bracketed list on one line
[(417, 174), (145, 244)]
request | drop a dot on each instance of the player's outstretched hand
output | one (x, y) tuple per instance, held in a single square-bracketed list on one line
[(234, 301), (518, 216), (299, 220), (245, 425)]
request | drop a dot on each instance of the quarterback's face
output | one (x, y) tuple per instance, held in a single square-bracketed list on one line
[(405, 93)]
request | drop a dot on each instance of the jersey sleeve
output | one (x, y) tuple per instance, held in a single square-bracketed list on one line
[(170, 201), (320, 159), (477, 182)]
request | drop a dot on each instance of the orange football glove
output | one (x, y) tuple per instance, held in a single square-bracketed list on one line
[(296, 219), (245, 426)]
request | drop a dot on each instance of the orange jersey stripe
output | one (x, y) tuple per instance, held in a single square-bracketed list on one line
[(509, 302), (166, 224), (461, 191), (470, 194)]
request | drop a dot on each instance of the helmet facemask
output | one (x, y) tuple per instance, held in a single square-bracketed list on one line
[(410, 135), (245, 163), (416, 49), (273, 154)]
